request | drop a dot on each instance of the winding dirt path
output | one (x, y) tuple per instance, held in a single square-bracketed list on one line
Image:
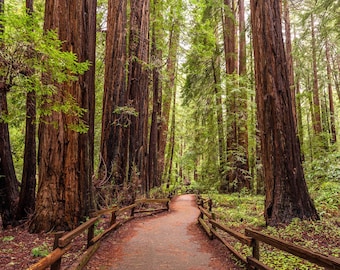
[(168, 241)]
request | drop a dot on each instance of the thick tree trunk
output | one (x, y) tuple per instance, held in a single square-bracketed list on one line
[(153, 173), (286, 190), (9, 187), (115, 121), (65, 165), (138, 87)]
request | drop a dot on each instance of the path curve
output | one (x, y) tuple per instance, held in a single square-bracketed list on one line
[(168, 241)]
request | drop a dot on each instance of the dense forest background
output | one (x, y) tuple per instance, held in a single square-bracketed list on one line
[(145, 98)]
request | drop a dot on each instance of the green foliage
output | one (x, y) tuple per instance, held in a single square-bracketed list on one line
[(40, 251), (33, 60), (239, 208)]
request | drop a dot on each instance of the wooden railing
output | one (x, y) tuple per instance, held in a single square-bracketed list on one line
[(63, 241), (252, 239)]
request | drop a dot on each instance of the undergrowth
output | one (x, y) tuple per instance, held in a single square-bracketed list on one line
[(244, 210)]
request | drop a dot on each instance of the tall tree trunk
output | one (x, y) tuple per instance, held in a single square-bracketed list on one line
[(65, 164), (168, 93), (9, 187), (288, 47), (336, 66), (330, 94), (229, 36), (286, 190), (26, 204), (115, 120), (138, 87), (242, 129), (316, 100), (171, 144), (216, 65), (153, 173)]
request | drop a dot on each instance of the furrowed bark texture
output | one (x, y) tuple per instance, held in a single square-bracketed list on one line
[(138, 87), (66, 156), (286, 190), (115, 121)]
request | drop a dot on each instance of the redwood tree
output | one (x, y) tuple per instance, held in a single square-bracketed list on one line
[(65, 155), (115, 121), (286, 190), (138, 90), (9, 187)]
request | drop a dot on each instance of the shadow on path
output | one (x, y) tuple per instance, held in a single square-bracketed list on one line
[(168, 241)]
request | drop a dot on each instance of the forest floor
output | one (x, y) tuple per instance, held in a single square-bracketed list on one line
[(171, 240)]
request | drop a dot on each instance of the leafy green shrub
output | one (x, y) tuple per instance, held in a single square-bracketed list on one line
[(40, 251)]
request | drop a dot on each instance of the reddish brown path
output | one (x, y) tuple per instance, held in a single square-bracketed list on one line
[(169, 241)]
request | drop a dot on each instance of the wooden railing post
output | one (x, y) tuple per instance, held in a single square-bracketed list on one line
[(201, 203), (90, 235), (256, 249), (210, 203), (113, 218), (57, 264), (132, 212)]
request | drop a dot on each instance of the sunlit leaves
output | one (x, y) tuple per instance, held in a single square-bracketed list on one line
[(33, 60)]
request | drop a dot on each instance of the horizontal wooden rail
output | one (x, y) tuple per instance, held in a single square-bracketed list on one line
[(319, 259), (205, 227), (63, 243), (205, 212), (228, 246), (256, 264), (98, 237), (126, 208), (104, 211), (51, 258), (68, 237), (239, 236), (150, 210)]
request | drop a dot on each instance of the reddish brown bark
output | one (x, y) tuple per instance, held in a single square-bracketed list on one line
[(138, 88), (65, 161), (115, 120), (153, 173), (286, 190), (288, 46)]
